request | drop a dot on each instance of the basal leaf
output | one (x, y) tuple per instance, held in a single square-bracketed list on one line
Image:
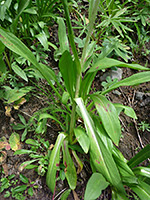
[(109, 62), (109, 117), (70, 170), (54, 162), (100, 155), (94, 187)]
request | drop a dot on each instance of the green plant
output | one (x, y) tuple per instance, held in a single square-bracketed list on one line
[(18, 191), (144, 126), (38, 147), (99, 131)]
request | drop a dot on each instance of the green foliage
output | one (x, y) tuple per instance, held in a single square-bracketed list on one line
[(100, 126), (17, 192), (144, 126)]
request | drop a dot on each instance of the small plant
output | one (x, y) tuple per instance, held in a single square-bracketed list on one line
[(39, 153), (17, 192), (144, 126)]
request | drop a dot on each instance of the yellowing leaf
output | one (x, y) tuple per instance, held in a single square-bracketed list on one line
[(19, 103), (14, 141), (7, 111)]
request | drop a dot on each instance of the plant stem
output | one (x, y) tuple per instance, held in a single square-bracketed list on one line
[(92, 15), (77, 65), (7, 60)]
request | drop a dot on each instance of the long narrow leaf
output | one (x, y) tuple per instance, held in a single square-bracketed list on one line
[(109, 117), (100, 155), (142, 190), (54, 162), (109, 62), (70, 170), (67, 70), (140, 157), (135, 79)]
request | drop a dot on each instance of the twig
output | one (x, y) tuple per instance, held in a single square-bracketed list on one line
[(138, 134), (60, 193)]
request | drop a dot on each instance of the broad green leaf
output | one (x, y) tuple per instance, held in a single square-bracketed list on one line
[(54, 162), (31, 11), (102, 133), (109, 62), (140, 157), (127, 110), (23, 178), (135, 79), (43, 40), (65, 97), (109, 117), (67, 70), (142, 190), (65, 194), (70, 170), (14, 141), (94, 187), (20, 72), (30, 191), (142, 171), (100, 155), (22, 5), (63, 39), (82, 138)]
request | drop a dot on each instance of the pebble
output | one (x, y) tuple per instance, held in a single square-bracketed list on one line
[(113, 74)]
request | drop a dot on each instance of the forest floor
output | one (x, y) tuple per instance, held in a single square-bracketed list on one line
[(132, 141)]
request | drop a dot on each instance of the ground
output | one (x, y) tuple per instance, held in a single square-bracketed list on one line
[(129, 145)]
